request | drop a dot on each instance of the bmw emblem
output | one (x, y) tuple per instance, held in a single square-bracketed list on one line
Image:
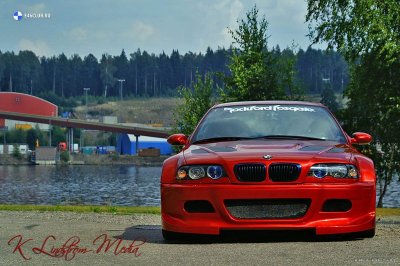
[(17, 15), (267, 157)]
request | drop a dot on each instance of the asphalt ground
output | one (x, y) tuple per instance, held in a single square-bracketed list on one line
[(65, 238)]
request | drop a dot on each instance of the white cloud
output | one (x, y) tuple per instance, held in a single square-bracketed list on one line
[(233, 10), (77, 34), (40, 48), (220, 17), (141, 31), (36, 8)]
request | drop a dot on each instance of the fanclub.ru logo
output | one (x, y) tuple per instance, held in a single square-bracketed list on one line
[(17, 15)]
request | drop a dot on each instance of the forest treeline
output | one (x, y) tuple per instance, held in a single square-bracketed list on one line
[(150, 75)]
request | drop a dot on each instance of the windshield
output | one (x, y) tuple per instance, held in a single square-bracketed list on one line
[(269, 121)]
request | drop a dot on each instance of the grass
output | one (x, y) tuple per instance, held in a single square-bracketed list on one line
[(82, 209), (381, 212), (151, 111), (388, 212)]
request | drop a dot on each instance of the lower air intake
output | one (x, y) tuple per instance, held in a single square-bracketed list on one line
[(268, 208)]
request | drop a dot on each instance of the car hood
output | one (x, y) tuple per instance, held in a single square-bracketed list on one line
[(296, 151)]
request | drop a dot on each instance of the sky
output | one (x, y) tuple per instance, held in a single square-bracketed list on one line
[(108, 26)]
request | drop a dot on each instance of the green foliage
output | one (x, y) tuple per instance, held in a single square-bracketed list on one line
[(367, 32), (65, 104), (356, 27), (253, 76), (329, 100), (32, 135), (16, 136), (65, 157), (58, 135), (82, 208), (195, 103), (16, 152), (288, 75), (61, 79)]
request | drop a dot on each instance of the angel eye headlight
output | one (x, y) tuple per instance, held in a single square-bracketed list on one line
[(196, 172), (214, 171), (319, 170), (333, 170), (338, 171)]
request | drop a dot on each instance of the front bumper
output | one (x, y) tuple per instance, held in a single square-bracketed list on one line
[(360, 217)]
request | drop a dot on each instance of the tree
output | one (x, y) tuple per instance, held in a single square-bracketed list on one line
[(195, 103), (380, 116), (107, 70), (62, 63), (287, 74), (329, 100), (356, 27), (32, 135), (253, 76), (367, 33)]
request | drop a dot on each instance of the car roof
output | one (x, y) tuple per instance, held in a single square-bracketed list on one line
[(269, 103)]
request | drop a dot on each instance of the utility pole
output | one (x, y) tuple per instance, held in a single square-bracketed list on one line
[(120, 87)]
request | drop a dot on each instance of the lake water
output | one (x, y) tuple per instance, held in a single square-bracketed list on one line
[(97, 185)]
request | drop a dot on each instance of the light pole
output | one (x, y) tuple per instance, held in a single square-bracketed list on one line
[(120, 87), (86, 92)]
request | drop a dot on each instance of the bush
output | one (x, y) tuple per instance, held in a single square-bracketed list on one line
[(64, 156), (16, 152)]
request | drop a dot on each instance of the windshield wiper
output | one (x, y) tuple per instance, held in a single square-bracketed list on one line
[(287, 137), (219, 139)]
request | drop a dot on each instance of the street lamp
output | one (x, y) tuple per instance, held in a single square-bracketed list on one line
[(120, 87), (86, 92)]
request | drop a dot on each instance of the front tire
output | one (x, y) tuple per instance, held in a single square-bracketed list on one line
[(171, 236), (366, 234)]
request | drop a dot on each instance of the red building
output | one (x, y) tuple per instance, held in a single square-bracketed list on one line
[(25, 104)]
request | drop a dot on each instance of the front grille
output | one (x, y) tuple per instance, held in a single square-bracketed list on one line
[(284, 172), (268, 208), (253, 172)]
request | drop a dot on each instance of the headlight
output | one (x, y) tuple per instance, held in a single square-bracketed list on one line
[(199, 171), (214, 171), (333, 170), (196, 172)]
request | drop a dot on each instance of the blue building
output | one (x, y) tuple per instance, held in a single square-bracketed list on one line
[(126, 144)]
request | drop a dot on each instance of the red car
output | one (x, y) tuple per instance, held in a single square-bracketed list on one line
[(268, 165)]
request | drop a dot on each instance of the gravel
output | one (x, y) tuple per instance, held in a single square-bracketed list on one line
[(136, 240)]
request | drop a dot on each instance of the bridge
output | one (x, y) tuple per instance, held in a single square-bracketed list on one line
[(76, 123)]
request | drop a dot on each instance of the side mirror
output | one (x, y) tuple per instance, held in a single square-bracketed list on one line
[(360, 138), (177, 139)]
